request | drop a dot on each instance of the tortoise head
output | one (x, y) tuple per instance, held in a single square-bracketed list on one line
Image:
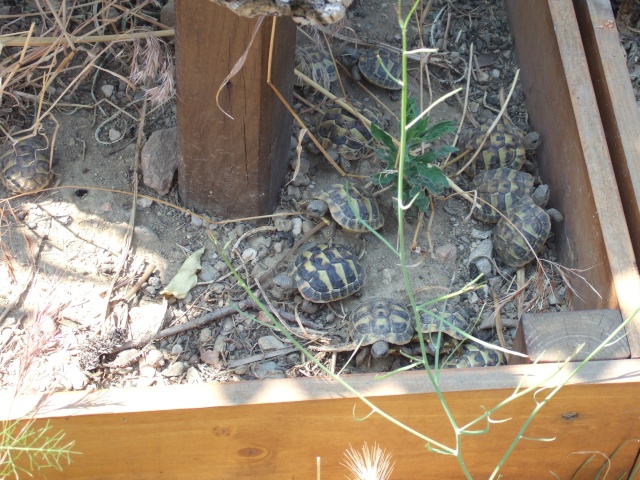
[(540, 195), (317, 208), (284, 281)]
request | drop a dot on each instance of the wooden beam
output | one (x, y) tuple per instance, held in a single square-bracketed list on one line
[(574, 159), (616, 101), (275, 430), (555, 336), (231, 167)]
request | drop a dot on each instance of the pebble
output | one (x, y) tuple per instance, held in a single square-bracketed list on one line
[(249, 254), (205, 335), (386, 276), (174, 370), (147, 371), (196, 221), (296, 228), (107, 90), (221, 267), (144, 202), (283, 224), (154, 358), (177, 349), (114, 134), (307, 225), (154, 281), (193, 375), (267, 370), (149, 290), (294, 192), (278, 247), (447, 253), (270, 342), (208, 273), (480, 234)]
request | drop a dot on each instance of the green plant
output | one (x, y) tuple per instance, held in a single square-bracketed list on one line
[(421, 177)]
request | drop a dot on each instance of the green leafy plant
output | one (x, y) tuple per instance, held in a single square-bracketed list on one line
[(420, 175)]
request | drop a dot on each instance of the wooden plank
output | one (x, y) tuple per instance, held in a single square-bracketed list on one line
[(231, 167), (616, 101), (574, 158), (276, 429), (555, 336)]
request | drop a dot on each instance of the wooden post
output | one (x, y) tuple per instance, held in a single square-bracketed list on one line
[(231, 167)]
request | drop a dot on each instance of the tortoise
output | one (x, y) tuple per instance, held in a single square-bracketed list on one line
[(341, 132), (25, 166), (520, 236), (324, 273), (431, 322), (475, 355), (316, 64), (365, 63), (343, 202), (380, 322), (506, 146), (500, 189)]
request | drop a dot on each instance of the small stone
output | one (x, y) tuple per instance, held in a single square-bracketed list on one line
[(386, 276), (174, 370), (267, 370), (480, 234), (107, 90), (307, 225), (154, 281), (168, 14), (147, 371), (249, 254), (193, 375), (159, 160), (553, 301), (221, 267), (196, 221), (144, 202), (177, 349), (205, 335), (296, 228), (283, 224), (473, 107), (278, 247), (151, 291), (495, 73), (208, 273), (447, 253), (114, 134), (294, 192), (270, 342), (154, 358)]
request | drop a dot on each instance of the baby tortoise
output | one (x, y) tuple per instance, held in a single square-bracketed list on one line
[(323, 273), (520, 236), (25, 167), (346, 203), (476, 355), (366, 62), (315, 63), (453, 316), (505, 147), (499, 190), (380, 322), (339, 131)]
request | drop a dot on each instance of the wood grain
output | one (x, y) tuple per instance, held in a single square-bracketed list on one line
[(616, 101), (276, 429), (555, 336), (574, 159), (231, 167)]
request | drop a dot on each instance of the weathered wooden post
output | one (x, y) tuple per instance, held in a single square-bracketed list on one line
[(231, 167)]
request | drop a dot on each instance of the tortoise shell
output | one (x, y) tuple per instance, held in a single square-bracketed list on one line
[(503, 148), (342, 132), (344, 203), (500, 190), (430, 324), (24, 167), (520, 236), (326, 273), (316, 64), (380, 321), (373, 71), (476, 355)]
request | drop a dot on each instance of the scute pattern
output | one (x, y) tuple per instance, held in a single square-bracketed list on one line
[(340, 200), (372, 70), (476, 355), (342, 132), (24, 167), (381, 319), (316, 64), (502, 189), (529, 220), (327, 273), (503, 148), (430, 324)]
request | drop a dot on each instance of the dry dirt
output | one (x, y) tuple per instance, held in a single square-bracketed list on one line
[(76, 236)]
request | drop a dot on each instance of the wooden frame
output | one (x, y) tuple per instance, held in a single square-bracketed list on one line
[(275, 429)]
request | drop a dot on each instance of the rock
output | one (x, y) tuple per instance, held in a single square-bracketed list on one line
[(270, 342), (153, 358), (147, 371), (205, 335), (386, 276), (177, 349), (283, 224), (208, 273), (221, 267), (267, 370), (174, 370), (168, 14), (107, 89), (144, 202), (193, 375), (114, 135), (159, 160), (249, 254), (296, 228), (447, 253), (196, 221)]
